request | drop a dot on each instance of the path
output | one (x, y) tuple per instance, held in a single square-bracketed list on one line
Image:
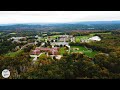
[(26, 45), (35, 56)]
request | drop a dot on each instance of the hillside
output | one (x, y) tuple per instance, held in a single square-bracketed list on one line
[(93, 25)]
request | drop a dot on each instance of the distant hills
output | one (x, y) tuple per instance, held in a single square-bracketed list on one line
[(82, 22), (90, 25), (100, 22)]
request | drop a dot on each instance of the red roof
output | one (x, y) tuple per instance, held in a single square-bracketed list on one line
[(42, 48), (55, 48), (53, 51), (36, 52)]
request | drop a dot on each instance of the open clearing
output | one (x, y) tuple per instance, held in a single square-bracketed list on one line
[(84, 50), (62, 50), (78, 38), (14, 54)]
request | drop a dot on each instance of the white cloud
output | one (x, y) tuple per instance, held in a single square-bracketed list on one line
[(56, 16)]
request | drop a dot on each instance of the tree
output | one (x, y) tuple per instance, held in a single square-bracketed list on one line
[(101, 59), (28, 48)]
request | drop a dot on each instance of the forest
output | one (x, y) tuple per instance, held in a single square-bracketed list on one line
[(104, 65)]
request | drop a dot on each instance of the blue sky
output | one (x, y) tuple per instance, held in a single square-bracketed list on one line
[(9, 17)]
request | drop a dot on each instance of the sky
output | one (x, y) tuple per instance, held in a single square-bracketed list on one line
[(10, 17)]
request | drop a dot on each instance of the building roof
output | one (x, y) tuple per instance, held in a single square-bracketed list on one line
[(95, 38), (51, 50), (36, 52), (60, 43), (17, 38)]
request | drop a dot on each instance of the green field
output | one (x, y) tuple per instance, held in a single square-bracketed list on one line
[(78, 38), (84, 50), (43, 55), (1, 33), (54, 36), (14, 54), (56, 32), (12, 33), (102, 33), (62, 50)]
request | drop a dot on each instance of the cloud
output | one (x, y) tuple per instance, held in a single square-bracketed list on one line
[(56, 16)]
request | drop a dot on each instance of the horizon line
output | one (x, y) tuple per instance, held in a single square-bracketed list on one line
[(58, 22)]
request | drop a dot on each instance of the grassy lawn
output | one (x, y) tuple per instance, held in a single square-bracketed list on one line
[(62, 50), (78, 38), (90, 53), (43, 55), (54, 36), (103, 33), (1, 32), (86, 51), (13, 54), (92, 34), (12, 33), (56, 32)]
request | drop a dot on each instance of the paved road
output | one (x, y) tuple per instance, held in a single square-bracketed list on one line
[(35, 56), (26, 45)]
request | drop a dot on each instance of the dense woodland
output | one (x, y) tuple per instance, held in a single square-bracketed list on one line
[(105, 65)]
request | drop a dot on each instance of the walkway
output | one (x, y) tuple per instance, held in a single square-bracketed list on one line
[(36, 56), (26, 45)]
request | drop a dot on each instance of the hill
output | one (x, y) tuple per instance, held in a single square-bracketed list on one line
[(91, 25)]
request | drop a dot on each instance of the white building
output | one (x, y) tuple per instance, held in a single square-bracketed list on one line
[(60, 43), (95, 38), (18, 38)]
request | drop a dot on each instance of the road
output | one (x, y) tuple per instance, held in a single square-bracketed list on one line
[(26, 45), (35, 56)]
